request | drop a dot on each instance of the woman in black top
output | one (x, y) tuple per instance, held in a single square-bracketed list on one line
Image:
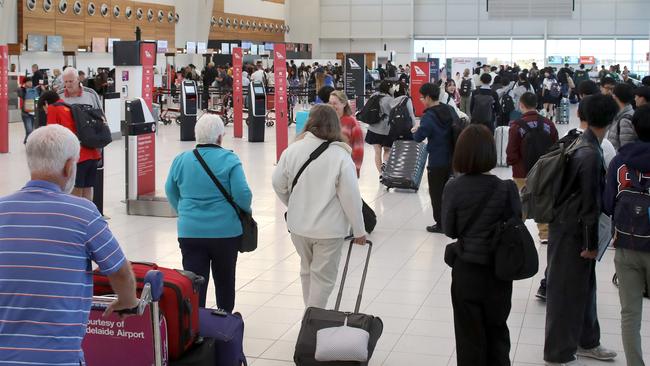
[(473, 205)]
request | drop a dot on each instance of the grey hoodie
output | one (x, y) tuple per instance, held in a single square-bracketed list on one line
[(621, 131)]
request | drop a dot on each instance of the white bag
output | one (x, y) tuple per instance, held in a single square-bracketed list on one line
[(342, 344)]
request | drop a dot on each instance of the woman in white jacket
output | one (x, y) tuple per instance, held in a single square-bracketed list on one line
[(322, 205)]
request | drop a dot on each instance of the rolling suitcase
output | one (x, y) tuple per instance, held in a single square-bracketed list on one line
[(405, 165), (316, 319), (501, 140), (562, 113), (202, 353), (179, 303), (227, 330), (301, 121)]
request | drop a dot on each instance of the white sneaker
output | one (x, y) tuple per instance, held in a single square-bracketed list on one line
[(571, 363), (598, 353)]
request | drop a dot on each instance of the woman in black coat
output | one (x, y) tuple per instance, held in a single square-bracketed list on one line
[(473, 205)]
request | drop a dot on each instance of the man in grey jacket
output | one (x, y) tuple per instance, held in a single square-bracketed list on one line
[(621, 132)]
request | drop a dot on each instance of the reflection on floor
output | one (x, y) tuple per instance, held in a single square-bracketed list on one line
[(408, 282)]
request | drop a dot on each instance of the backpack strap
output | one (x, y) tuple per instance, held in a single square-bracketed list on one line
[(313, 156)]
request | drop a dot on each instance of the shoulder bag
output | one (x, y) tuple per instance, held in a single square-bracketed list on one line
[(248, 224)]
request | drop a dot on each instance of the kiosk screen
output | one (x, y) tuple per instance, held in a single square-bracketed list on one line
[(258, 90)]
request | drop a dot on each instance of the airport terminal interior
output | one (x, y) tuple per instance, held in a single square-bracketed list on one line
[(408, 283)]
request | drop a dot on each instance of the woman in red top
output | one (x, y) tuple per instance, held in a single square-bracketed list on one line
[(88, 158), (350, 128)]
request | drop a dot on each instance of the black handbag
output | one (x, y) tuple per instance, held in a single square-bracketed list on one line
[(515, 255), (248, 224), (369, 217), (455, 249), (316, 319)]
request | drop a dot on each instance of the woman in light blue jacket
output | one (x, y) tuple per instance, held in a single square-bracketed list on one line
[(209, 230)]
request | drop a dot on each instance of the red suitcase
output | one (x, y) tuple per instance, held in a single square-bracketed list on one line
[(179, 303)]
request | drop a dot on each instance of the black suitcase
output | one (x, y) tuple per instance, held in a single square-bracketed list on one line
[(202, 353), (405, 165), (316, 319)]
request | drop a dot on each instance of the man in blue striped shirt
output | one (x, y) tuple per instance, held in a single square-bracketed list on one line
[(48, 239)]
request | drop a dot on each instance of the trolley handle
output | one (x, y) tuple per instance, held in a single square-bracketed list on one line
[(151, 292)]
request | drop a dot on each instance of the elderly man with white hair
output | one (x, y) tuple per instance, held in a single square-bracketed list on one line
[(75, 93), (209, 230), (47, 240)]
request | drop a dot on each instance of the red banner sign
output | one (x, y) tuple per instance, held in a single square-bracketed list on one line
[(148, 59), (587, 60), (238, 91), (281, 103), (146, 171), (419, 76), (4, 99)]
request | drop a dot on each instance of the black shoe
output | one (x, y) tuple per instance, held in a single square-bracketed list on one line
[(541, 293), (434, 229)]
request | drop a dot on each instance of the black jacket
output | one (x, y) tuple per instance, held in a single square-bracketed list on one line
[(580, 200), (461, 199)]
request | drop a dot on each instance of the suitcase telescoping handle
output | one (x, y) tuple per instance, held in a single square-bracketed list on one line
[(363, 277)]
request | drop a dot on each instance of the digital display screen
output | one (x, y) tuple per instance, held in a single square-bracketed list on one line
[(189, 89), (201, 48), (246, 45), (555, 60), (35, 43), (572, 60), (258, 90), (190, 47), (268, 46), (225, 48), (54, 44), (110, 43), (161, 46), (253, 49)]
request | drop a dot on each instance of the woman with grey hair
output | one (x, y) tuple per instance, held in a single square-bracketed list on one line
[(209, 230)]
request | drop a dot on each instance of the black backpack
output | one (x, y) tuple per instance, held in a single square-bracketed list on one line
[(632, 212), (483, 112), (371, 111), (400, 121), (92, 130), (507, 104), (536, 142), (466, 88)]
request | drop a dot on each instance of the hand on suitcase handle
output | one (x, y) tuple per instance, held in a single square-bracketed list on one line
[(360, 240)]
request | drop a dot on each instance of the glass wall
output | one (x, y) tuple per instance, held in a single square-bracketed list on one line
[(523, 52)]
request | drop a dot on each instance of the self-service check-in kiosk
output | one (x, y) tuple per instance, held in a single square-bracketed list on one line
[(140, 146), (256, 112), (189, 109)]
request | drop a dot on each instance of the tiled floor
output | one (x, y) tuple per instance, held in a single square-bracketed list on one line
[(408, 282)]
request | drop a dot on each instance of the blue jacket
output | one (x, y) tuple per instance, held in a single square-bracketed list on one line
[(435, 126), (203, 211), (634, 157)]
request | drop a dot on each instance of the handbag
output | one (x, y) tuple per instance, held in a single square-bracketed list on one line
[(455, 249), (248, 224), (369, 217), (515, 255)]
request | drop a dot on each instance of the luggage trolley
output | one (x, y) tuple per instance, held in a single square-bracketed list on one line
[(139, 340)]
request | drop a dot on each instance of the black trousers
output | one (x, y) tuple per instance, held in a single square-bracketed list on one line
[(482, 305), (220, 254), (571, 315), (437, 178)]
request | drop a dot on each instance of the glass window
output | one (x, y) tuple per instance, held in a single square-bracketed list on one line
[(434, 47), (461, 47), (563, 47), (527, 51), (624, 52), (640, 64), (497, 51)]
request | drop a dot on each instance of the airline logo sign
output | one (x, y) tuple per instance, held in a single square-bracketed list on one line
[(279, 55), (419, 71), (353, 64), (237, 56)]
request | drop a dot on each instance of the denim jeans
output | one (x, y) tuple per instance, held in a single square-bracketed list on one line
[(28, 121)]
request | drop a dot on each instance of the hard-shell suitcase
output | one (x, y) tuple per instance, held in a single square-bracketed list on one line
[(179, 303), (405, 165), (562, 113), (316, 319), (202, 353), (301, 121), (501, 139), (227, 330)]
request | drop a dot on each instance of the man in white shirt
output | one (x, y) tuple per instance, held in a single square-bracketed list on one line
[(258, 75)]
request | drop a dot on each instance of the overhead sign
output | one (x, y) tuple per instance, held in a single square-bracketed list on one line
[(420, 75), (238, 92), (588, 60), (355, 78), (280, 102)]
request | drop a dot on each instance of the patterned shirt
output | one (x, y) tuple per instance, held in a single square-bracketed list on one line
[(354, 137), (47, 241)]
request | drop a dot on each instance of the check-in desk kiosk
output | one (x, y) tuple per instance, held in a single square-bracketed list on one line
[(256, 112), (189, 109)]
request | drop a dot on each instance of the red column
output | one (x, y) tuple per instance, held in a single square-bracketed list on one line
[(281, 104), (419, 76), (4, 99), (238, 92)]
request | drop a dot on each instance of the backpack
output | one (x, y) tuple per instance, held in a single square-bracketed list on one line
[(483, 112), (632, 211), (507, 104), (92, 130), (536, 142), (544, 183), (555, 90), (466, 88), (400, 121), (371, 111)]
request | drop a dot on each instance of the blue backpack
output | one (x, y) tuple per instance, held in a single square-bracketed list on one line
[(632, 212)]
